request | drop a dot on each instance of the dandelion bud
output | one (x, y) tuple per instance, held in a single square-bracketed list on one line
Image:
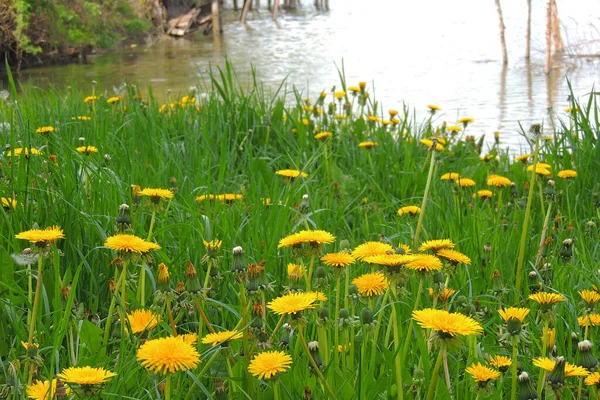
[(135, 190), (112, 285), (343, 313), (285, 335), (221, 391), (324, 314), (362, 85), (438, 278), (418, 376), (32, 349), (163, 274), (497, 284), (557, 376), (180, 288), (366, 316), (65, 291), (513, 326), (344, 245), (586, 359), (590, 226), (124, 217), (192, 284), (313, 347), (304, 206), (352, 290), (535, 129), (307, 392), (567, 250), (534, 282), (526, 390), (239, 261), (320, 273), (81, 141)]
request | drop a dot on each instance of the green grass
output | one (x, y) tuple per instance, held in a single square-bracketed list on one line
[(233, 141)]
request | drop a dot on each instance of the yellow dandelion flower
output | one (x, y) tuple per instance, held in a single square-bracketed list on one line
[(455, 257), (27, 345), (27, 151), (570, 370), (189, 338), (45, 129), (339, 95), (213, 245), (295, 272), (591, 297), (390, 260), (323, 135), (589, 320), (142, 320), (373, 284), (481, 373), (312, 237), (49, 235), (320, 296), (443, 296), (113, 100), (156, 193), (167, 355), (429, 143), (8, 203), (425, 263), (465, 182), (497, 180), (412, 210), (41, 390), (291, 173), (465, 120), (547, 298), (540, 169), (354, 89), (500, 362), (371, 249), (449, 176), (87, 149), (85, 375), (367, 145), (433, 107), (221, 337), (81, 118), (513, 313), (567, 174), (446, 323), (484, 194), (593, 379), (373, 118), (163, 273), (292, 303), (339, 260), (269, 363), (523, 158), (454, 128), (130, 244), (436, 245), (90, 99), (404, 248)]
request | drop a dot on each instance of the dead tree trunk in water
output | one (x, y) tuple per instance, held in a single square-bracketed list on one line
[(275, 9), (556, 37), (216, 17), (235, 5), (528, 32), (548, 64), (502, 37), (245, 11)]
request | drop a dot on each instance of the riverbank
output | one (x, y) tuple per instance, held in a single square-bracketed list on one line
[(369, 250)]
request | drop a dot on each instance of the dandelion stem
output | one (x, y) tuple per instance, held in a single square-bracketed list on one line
[(141, 290), (377, 328), (337, 311), (538, 258), (513, 391), (310, 272), (347, 285), (436, 372), (314, 365), (170, 313), (204, 317), (279, 323), (425, 195), (276, 389), (209, 362), (168, 388), (411, 323), (526, 222), (398, 359), (542, 375), (36, 300)]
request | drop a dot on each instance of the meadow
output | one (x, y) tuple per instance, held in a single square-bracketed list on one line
[(243, 244)]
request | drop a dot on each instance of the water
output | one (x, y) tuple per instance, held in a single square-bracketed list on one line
[(436, 51)]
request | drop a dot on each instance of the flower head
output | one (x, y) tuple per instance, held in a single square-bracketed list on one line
[(436, 245), (433, 107), (85, 375), (429, 143), (130, 244), (390, 260), (291, 173), (455, 257), (226, 197), (540, 169), (141, 320), (372, 284), (593, 379), (292, 303), (450, 176), (367, 145), (323, 135), (465, 182), (454, 129), (42, 390), (589, 320), (570, 370), (591, 297), (167, 355), (412, 210), (156, 193), (371, 249), (497, 180), (45, 129), (448, 324), (523, 158), (49, 235), (339, 260), (567, 174), (481, 373), (547, 298), (313, 237), (87, 150), (425, 263), (500, 362), (19, 150), (513, 313), (465, 120), (269, 363), (221, 337), (295, 272), (484, 194)]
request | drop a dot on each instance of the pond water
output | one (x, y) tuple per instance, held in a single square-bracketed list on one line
[(410, 52)]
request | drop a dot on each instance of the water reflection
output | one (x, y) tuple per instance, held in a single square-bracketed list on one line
[(415, 53)]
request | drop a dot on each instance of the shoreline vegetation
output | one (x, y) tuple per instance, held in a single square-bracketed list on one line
[(235, 245)]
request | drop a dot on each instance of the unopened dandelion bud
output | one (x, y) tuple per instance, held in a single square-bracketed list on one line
[(304, 206), (343, 313), (285, 335), (65, 291), (124, 217), (221, 391), (239, 261), (526, 390), (112, 285), (313, 347), (586, 357), (352, 290), (163, 275), (344, 245), (32, 349), (513, 190), (513, 326), (192, 283), (366, 316), (362, 85), (557, 376), (533, 282), (320, 273), (418, 376), (324, 313), (438, 278), (497, 284), (180, 288)]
